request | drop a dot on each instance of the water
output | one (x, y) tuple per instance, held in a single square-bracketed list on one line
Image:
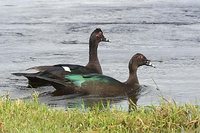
[(37, 32)]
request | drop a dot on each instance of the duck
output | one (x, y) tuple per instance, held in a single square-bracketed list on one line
[(102, 85), (60, 70)]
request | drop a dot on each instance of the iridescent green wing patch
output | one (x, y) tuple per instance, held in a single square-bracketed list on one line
[(78, 79)]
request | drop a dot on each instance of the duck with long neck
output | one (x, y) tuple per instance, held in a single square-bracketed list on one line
[(136, 61), (60, 70), (104, 86), (94, 41)]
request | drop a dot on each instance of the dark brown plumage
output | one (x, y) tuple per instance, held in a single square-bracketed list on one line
[(58, 71), (101, 85)]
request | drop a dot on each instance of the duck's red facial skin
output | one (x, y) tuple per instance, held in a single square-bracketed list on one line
[(139, 60), (100, 37)]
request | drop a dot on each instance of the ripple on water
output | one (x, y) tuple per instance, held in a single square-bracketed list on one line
[(56, 32)]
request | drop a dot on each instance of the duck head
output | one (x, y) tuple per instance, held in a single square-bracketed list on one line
[(139, 60), (97, 37)]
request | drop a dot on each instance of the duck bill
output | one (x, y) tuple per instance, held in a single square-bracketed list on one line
[(148, 63), (104, 39)]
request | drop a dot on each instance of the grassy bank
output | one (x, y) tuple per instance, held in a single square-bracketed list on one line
[(26, 117)]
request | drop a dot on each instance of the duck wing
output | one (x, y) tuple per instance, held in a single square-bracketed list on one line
[(94, 84), (56, 71), (97, 84), (83, 79)]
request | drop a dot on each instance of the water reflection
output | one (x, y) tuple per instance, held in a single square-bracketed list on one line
[(90, 101)]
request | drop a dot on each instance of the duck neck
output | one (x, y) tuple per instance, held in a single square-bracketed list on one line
[(132, 79), (93, 57)]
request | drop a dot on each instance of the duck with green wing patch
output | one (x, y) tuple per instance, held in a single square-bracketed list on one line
[(101, 85), (58, 71)]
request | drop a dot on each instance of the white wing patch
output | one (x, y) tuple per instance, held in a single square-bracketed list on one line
[(32, 71), (66, 68)]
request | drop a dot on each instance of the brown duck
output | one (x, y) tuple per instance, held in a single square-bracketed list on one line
[(101, 85), (58, 71)]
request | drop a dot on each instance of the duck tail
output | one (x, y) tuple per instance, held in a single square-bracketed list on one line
[(25, 74), (33, 81)]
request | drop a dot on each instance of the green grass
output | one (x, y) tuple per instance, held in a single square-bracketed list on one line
[(33, 117)]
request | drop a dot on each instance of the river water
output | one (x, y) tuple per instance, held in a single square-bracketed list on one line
[(40, 32)]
